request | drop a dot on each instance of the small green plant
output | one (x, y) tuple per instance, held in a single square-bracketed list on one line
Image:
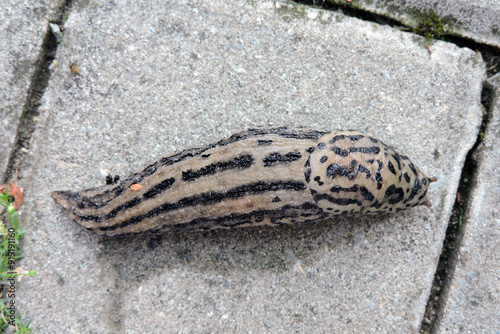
[(10, 252), (430, 26)]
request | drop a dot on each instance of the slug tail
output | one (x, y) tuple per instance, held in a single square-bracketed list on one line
[(67, 199)]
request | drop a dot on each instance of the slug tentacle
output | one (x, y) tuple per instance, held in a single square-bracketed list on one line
[(262, 176)]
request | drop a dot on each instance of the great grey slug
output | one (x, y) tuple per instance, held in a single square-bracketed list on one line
[(262, 176)]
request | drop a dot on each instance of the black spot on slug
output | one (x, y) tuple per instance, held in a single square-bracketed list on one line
[(407, 177), (310, 150), (323, 159), (317, 179), (307, 175), (339, 151), (391, 168)]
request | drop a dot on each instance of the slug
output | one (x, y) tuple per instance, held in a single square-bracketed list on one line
[(262, 176)]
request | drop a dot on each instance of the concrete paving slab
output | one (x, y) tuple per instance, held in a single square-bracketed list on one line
[(22, 32), (167, 76), (477, 20), (473, 303)]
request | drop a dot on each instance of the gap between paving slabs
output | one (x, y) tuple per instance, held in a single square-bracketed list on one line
[(456, 227), (454, 233), (39, 83)]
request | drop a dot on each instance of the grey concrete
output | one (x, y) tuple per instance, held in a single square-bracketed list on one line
[(477, 20), (473, 303), (166, 76), (22, 29)]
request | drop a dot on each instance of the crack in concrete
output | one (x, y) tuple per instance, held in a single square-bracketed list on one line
[(455, 230), (38, 85)]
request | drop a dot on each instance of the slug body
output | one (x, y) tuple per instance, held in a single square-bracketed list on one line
[(262, 176)]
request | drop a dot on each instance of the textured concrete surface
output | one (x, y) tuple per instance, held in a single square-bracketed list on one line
[(473, 303), (161, 77), (167, 76), (477, 20), (22, 29)]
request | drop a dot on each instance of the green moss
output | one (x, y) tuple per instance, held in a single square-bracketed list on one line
[(184, 255), (291, 11), (430, 26)]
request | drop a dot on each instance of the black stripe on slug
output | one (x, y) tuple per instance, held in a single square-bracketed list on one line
[(310, 150), (355, 137), (373, 140), (337, 189), (262, 142), (275, 158), (366, 150), (123, 206), (413, 169), (165, 161), (339, 201), (241, 162), (336, 138), (87, 217), (212, 197), (339, 151), (100, 200), (234, 220), (159, 188), (282, 131), (397, 157)]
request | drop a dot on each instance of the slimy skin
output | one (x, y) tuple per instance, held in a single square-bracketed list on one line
[(262, 176)]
